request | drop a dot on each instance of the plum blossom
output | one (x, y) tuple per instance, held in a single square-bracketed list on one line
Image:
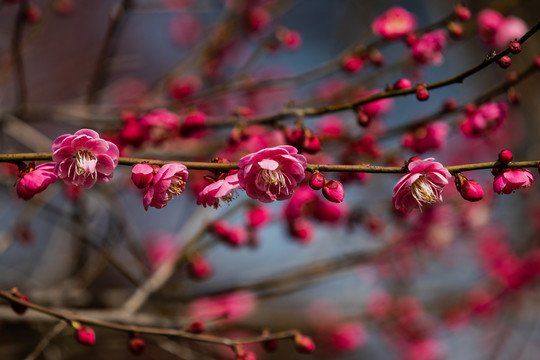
[(82, 159), (35, 180), (424, 138), (169, 181), (428, 49), (271, 174), (394, 23), (487, 118), (422, 185), (496, 30), (507, 180), (223, 189)]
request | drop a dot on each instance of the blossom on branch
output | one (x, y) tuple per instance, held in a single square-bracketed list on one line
[(271, 174), (487, 118), (422, 185), (223, 189), (82, 159), (507, 180), (428, 49), (394, 23), (169, 181), (35, 180)]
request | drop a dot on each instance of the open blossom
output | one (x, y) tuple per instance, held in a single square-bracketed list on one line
[(394, 23), (507, 180), (271, 174), (429, 137), (428, 49), (422, 185), (84, 158), (487, 118), (223, 189), (496, 30), (169, 181), (35, 180)]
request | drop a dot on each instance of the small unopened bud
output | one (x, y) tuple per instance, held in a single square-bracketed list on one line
[(312, 144), (362, 119), (422, 93), (33, 14), (411, 39), (198, 268), (450, 104), (196, 327), (470, 190), (402, 84), (513, 96), (16, 307), (376, 57), (504, 62), (456, 30), (505, 156), (142, 175), (462, 12), (317, 181), (304, 344), (84, 334), (352, 63), (136, 345), (270, 345), (515, 47), (333, 191), (193, 123)]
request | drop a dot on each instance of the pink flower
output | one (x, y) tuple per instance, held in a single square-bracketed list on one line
[(168, 182), (160, 125), (507, 180), (236, 306), (142, 175), (83, 158), (224, 189), (424, 138), (496, 30), (428, 49), (258, 216), (487, 118), (272, 174), (394, 23), (422, 185), (35, 180)]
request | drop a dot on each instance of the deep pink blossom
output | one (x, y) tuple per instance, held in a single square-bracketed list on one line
[(428, 49), (224, 190), (160, 125), (508, 180), (422, 185), (424, 138), (142, 175), (169, 181), (235, 306), (35, 180), (258, 216), (272, 174), (394, 23), (487, 118), (83, 158)]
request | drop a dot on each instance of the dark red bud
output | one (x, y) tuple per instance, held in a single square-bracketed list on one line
[(504, 62), (515, 47), (136, 345), (317, 181), (422, 93)]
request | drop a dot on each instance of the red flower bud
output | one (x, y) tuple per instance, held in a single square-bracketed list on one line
[(470, 190), (422, 93), (198, 268), (304, 344), (136, 345), (505, 156), (504, 62), (403, 84), (196, 327), (462, 12), (312, 144), (317, 181), (362, 119), (333, 191), (515, 47), (142, 175), (18, 308), (85, 335), (352, 63)]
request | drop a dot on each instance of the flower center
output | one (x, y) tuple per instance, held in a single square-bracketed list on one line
[(84, 164), (177, 187), (425, 192), (275, 177)]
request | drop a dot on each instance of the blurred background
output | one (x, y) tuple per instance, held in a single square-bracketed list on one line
[(364, 281)]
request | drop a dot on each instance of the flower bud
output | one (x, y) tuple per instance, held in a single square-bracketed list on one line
[(304, 344), (362, 119), (333, 191), (85, 335), (258, 216), (455, 29), (196, 327), (450, 104), (376, 57), (352, 63), (505, 156), (142, 175), (403, 84), (317, 181), (136, 345), (198, 268), (504, 62), (515, 47), (312, 144), (422, 93), (470, 190), (462, 12), (16, 307), (192, 123)]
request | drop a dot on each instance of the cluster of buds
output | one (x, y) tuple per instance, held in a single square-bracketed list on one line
[(331, 189), (303, 139)]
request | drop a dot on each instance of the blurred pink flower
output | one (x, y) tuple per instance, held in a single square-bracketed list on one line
[(272, 174), (428, 49), (160, 248), (347, 336), (83, 158), (224, 189), (496, 30), (169, 181), (185, 29), (35, 180), (160, 125), (394, 23), (258, 216), (487, 118), (235, 306), (422, 185), (429, 137), (508, 180)]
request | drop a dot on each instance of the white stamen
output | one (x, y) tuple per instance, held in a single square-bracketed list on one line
[(79, 165), (425, 192), (275, 177)]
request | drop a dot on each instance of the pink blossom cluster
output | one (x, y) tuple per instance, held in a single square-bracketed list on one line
[(394, 23), (496, 30), (428, 137), (428, 49), (482, 120), (160, 184)]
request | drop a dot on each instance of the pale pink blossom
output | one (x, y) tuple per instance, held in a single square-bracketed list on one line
[(428, 137), (422, 185), (169, 181), (223, 189), (160, 125), (428, 49), (394, 23), (496, 30), (508, 180), (235, 306), (82, 159), (272, 174), (487, 118), (35, 180)]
